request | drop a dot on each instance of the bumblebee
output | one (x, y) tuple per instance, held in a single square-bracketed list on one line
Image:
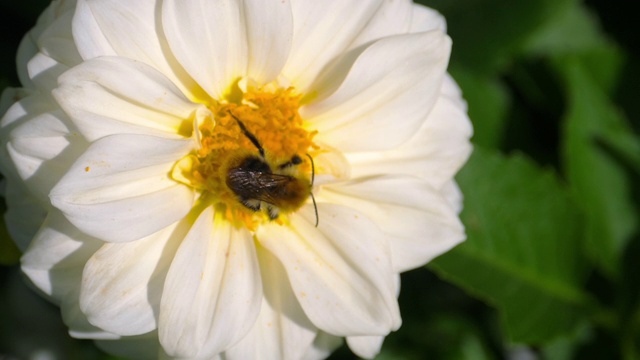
[(259, 185)]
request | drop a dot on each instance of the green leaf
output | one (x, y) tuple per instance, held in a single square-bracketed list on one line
[(445, 336), (488, 105), (573, 30), (488, 33), (9, 253), (623, 145), (598, 181), (577, 31), (523, 249), (567, 347)]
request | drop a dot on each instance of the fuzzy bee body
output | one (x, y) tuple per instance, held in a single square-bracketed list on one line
[(254, 182), (259, 185)]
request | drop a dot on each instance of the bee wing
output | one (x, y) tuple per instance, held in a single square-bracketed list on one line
[(270, 187), (257, 185)]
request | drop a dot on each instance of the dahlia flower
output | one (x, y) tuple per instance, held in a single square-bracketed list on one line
[(237, 179)]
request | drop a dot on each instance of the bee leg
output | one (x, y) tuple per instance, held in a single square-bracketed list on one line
[(251, 204), (273, 212)]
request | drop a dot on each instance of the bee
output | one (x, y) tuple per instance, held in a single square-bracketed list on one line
[(258, 184)]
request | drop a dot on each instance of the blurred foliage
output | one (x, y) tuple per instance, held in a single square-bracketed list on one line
[(9, 252), (520, 260), (549, 269)]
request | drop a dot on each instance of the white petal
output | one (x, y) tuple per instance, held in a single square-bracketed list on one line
[(452, 91), (384, 98), (366, 347), (122, 283), (209, 40), (57, 42), (30, 43), (119, 189), (43, 148), (56, 257), (108, 96), (23, 107), (330, 166), (76, 321), (57, 53), (391, 18), (282, 330), (419, 221), (10, 97), (128, 29), (322, 31), (340, 272), (91, 41), (54, 262), (436, 152), (399, 17), (19, 106), (12, 162), (24, 213), (212, 293), (269, 35), (454, 195), (323, 345), (44, 71), (164, 356), (223, 41), (426, 19), (26, 50)]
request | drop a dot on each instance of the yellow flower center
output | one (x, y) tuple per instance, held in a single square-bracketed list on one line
[(252, 163)]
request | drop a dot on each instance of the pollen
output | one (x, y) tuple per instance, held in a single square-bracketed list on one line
[(272, 117)]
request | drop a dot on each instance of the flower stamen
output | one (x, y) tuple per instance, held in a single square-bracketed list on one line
[(251, 157)]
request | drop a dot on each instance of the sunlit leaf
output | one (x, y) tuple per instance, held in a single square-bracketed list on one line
[(523, 249), (598, 181), (575, 29), (487, 33), (623, 145)]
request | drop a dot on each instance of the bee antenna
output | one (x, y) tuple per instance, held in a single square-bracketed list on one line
[(313, 175), (248, 134), (313, 169), (315, 208)]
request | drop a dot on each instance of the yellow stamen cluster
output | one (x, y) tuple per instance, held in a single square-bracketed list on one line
[(274, 120)]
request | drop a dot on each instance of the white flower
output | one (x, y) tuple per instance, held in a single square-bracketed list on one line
[(175, 148)]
